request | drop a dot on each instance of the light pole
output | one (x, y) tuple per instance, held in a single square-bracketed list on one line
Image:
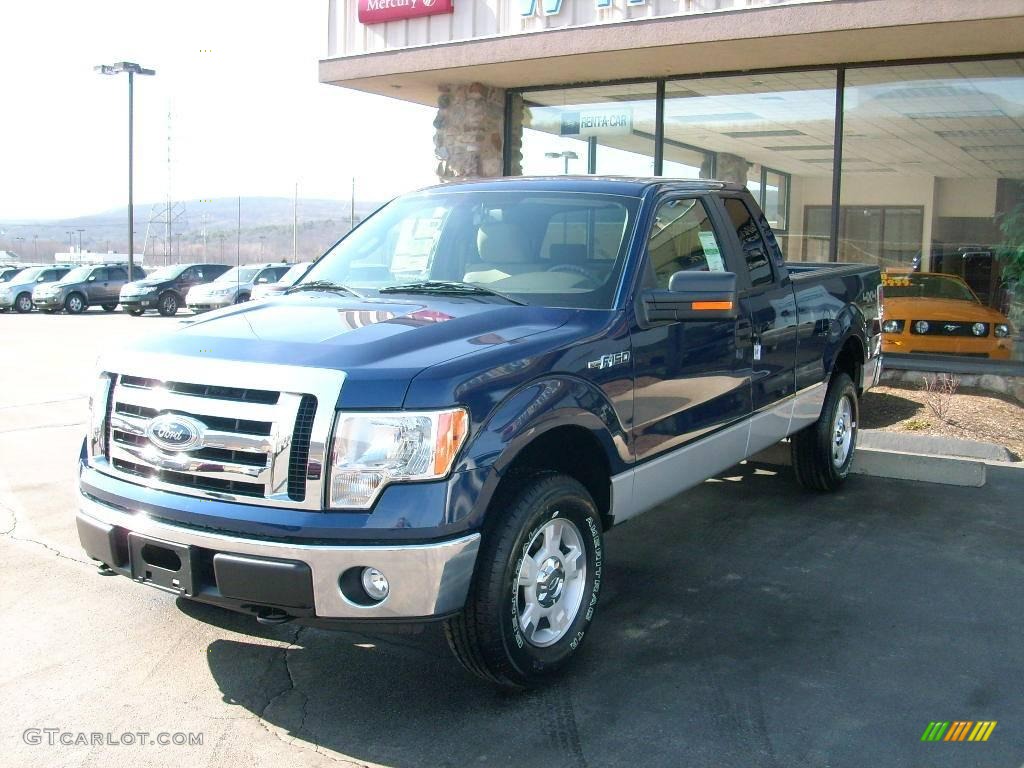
[(80, 231), (132, 70), (567, 155)]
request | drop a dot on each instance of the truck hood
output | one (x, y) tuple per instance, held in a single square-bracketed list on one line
[(380, 343)]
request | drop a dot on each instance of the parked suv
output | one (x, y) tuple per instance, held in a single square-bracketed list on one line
[(84, 286), (16, 293), (291, 277), (234, 286), (165, 289)]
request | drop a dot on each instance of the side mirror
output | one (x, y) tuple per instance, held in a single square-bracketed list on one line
[(92, 278), (692, 296), (262, 280)]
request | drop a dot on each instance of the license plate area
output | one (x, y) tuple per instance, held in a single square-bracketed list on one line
[(162, 564)]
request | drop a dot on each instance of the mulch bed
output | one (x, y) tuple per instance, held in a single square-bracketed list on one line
[(969, 415)]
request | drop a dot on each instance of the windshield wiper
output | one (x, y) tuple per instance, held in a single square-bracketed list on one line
[(325, 285), (449, 288)]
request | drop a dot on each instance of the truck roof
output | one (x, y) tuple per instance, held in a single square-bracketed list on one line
[(611, 185)]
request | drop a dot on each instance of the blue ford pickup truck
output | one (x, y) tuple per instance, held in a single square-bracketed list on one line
[(442, 420)]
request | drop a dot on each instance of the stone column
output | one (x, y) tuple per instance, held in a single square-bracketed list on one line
[(468, 131), (728, 167)]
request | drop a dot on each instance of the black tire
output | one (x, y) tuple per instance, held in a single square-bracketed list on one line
[(241, 298), (23, 303), (821, 456), (136, 312), (168, 304), (75, 304), (109, 307), (487, 637)]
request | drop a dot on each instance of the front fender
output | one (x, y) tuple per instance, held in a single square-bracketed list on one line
[(527, 413)]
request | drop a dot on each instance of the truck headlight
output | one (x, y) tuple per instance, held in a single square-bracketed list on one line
[(892, 326), (979, 329), (372, 450), (1002, 330), (921, 326)]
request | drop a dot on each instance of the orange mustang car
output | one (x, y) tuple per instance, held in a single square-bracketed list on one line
[(939, 314)]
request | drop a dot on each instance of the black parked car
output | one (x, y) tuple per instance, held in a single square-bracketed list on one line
[(165, 289)]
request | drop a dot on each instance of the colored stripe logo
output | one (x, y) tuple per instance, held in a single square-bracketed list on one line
[(959, 730)]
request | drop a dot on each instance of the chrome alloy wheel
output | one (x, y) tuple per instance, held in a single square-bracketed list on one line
[(843, 426), (550, 582)]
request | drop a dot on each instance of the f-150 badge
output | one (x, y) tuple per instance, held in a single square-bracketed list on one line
[(607, 361)]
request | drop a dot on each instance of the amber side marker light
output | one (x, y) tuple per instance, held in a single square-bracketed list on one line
[(712, 305)]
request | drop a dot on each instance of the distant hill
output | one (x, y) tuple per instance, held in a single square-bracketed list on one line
[(266, 227)]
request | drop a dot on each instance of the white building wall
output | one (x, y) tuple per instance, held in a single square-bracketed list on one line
[(488, 18)]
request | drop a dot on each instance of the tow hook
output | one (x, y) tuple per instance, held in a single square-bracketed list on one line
[(270, 616)]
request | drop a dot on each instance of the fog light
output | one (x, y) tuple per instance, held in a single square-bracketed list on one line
[(921, 326), (979, 329), (375, 583)]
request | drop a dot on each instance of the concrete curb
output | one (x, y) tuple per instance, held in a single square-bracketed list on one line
[(899, 465)]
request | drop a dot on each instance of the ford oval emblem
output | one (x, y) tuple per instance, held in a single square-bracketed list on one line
[(171, 432)]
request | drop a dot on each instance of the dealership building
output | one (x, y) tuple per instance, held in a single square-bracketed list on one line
[(882, 131)]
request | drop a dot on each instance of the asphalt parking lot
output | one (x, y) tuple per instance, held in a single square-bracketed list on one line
[(745, 623)]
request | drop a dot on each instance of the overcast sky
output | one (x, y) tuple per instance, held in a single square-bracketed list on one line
[(249, 116)]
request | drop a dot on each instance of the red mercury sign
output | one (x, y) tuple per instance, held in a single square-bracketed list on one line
[(379, 11)]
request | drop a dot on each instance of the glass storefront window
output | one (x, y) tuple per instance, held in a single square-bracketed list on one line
[(931, 177), (607, 130), (933, 157), (773, 133)]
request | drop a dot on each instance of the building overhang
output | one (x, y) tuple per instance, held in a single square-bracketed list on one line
[(842, 31)]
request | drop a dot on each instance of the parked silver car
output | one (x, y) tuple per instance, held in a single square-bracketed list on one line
[(16, 293), (234, 286), (291, 277)]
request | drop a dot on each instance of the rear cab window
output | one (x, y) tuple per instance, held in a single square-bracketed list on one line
[(755, 250)]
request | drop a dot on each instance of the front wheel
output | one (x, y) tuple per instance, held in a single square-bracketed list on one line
[(823, 452), (23, 303), (74, 304), (536, 585), (168, 305), (241, 298)]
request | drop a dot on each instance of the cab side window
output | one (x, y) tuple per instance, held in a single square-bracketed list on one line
[(682, 239), (117, 273), (99, 275), (755, 250)]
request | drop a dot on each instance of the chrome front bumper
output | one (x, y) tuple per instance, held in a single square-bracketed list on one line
[(426, 580)]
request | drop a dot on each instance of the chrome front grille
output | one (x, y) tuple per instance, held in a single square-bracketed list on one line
[(263, 446)]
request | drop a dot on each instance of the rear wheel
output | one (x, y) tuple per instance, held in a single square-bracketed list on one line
[(109, 307), (168, 305), (23, 303), (74, 304), (135, 312), (536, 585), (823, 452)]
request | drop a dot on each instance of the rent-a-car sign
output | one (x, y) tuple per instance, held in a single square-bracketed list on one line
[(379, 11)]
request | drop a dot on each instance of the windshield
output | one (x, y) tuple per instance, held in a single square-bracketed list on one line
[(76, 275), (291, 277), (559, 249), (29, 275), (166, 273), (920, 286), (238, 275)]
